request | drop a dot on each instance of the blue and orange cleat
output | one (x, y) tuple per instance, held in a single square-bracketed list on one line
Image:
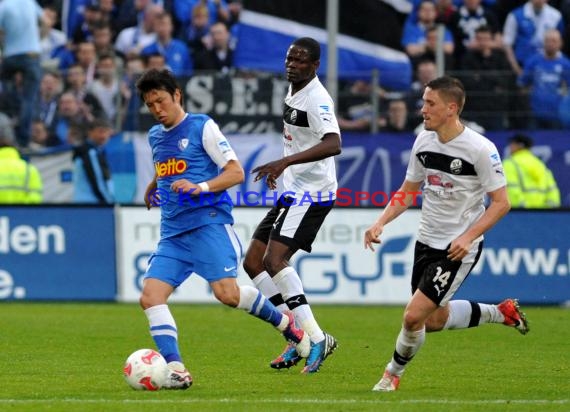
[(319, 352)]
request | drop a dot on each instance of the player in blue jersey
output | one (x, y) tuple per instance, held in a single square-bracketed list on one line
[(192, 157)]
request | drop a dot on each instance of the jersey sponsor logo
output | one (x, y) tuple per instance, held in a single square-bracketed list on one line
[(435, 180), (287, 135), (170, 167), (456, 166), (183, 144)]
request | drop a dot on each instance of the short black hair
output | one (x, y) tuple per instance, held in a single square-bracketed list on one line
[(311, 45), (154, 79), (522, 139)]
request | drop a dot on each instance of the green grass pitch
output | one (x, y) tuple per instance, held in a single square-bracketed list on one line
[(69, 357)]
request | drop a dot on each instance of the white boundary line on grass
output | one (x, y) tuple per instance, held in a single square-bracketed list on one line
[(296, 401)]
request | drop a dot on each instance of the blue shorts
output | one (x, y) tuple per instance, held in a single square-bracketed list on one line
[(211, 251)]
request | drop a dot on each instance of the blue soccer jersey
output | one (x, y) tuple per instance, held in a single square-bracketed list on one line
[(195, 150)]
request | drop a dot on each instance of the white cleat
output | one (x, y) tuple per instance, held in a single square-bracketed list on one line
[(388, 383), (178, 378)]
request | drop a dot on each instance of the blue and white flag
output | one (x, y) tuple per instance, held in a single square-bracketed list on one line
[(264, 38)]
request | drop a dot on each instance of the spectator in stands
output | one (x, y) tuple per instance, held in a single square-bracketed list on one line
[(155, 61), (132, 40), (426, 71), (20, 181), (40, 138), (219, 56), (463, 24), (414, 33), (128, 13), (196, 33), (530, 184), (183, 11), (108, 10), (91, 174), (135, 66), (397, 119), (46, 105), (175, 52), (21, 54), (76, 83), (103, 39), (430, 50), (70, 121), (92, 16), (547, 73), (106, 88), (523, 33), (86, 57), (488, 79), (51, 39), (355, 107)]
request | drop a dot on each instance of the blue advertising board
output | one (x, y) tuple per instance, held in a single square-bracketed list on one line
[(57, 253), (526, 256)]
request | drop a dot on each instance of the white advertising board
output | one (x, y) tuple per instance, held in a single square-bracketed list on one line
[(338, 270)]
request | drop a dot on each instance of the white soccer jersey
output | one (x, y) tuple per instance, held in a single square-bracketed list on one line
[(456, 176), (307, 116)]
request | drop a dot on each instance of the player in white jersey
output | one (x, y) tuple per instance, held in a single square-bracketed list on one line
[(456, 167), (311, 137)]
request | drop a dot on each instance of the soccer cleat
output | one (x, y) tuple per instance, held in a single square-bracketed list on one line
[(388, 383), (319, 352), (297, 336), (290, 357), (178, 378), (513, 315)]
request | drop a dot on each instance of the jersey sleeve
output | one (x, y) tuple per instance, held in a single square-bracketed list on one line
[(322, 118), (415, 171), (489, 168), (216, 144)]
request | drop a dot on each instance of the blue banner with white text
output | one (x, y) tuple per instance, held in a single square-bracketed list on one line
[(526, 256), (57, 253)]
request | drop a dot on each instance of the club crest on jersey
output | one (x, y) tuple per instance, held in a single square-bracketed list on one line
[(456, 166), (183, 144), (293, 117)]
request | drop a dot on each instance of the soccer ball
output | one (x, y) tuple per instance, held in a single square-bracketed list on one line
[(145, 369)]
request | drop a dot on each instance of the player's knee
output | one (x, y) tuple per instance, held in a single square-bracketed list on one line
[(271, 264), (145, 301), (227, 297), (252, 267), (413, 320)]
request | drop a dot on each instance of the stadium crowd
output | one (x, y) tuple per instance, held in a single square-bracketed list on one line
[(66, 75)]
